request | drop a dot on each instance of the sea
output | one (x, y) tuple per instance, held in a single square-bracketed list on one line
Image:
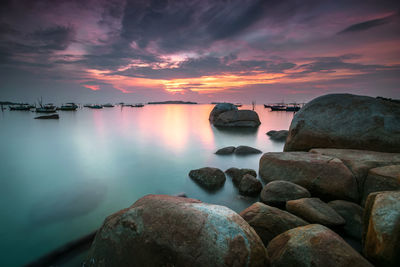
[(59, 179)]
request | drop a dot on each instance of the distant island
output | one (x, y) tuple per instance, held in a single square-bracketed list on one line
[(172, 102)]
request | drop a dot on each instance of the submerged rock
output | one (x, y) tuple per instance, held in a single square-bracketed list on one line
[(160, 230), (269, 222), (237, 174), (246, 150), (48, 117), (352, 214), (313, 245), (249, 185), (276, 193), (314, 210), (279, 136), (226, 150), (346, 121), (210, 178), (324, 176), (381, 228)]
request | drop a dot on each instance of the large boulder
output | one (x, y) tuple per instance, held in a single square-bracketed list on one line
[(385, 178), (237, 118), (381, 228), (360, 161), (313, 245), (346, 121), (279, 136), (314, 210), (352, 214), (249, 185), (237, 174), (324, 176), (210, 178), (160, 230), (269, 222), (276, 193), (219, 109)]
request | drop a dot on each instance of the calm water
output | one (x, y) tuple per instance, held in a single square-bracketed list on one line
[(60, 179)]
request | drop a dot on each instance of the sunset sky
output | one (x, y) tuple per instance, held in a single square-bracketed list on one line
[(139, 51)]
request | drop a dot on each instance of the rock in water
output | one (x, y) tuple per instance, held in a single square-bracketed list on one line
[(246, 150), (346, 121), (279, 136), (249, 185), (237, 118), (269, 222), (48, 117), (219, 109), (352, 214), (276, 193), (225, 151), (237, 174), (381, 228), (314, 210), (324, 176), (313, 245), (160, 230), (210, 178), (385, 178)]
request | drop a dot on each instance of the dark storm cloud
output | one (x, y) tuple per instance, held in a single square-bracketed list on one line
[(366, 25)]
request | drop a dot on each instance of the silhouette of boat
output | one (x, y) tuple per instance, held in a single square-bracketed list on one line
[(278, 108), (48, 108), (293, 107), (108, 105), (21, 107), (137, 106), (96, 107), (68, 107)]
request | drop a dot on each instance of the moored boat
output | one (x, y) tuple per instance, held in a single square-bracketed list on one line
[(68, 107), (108, 105), (96, 106), (21, 107), (48, 108)]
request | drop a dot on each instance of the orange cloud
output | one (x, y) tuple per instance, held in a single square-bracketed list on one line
[(92, 87)]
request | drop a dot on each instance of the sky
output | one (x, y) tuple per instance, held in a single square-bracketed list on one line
[(200, 50)]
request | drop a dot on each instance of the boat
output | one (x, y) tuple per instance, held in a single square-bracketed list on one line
[(108, 105), (96, 106), (267, 106), (293, 107), (68, 107), (238, 105), (87, 105), (137, 106), (48, 108), (278, 108), (21, 107)]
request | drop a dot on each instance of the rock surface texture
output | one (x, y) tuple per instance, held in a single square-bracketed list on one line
[(381, 228), (279, 136), (269, 222), (219, 109), (250, 185), (352, 214), (161, 230), (314, 210), (313, 245), (210, 178), (276, 193), (323, 176), (237, 174), (346, 121)]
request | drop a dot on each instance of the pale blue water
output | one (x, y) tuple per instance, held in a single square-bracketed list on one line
[(59, 179)]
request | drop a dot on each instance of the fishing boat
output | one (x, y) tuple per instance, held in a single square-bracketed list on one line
[(21, 107), (68, 107), (278, 108), (293, 107), (137, 106), (48, 108), (96, 106), (267, 106), (108, 105)]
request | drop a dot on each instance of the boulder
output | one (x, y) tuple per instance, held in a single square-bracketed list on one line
[(324, 176), (313, 245), (360, 161), (219, 109), (249, 185), (314, 210), (210, 178), (276, 193), (225, 151), (346, 121), (269, 222), (385, 178), (381, 228), (48, 117), (246, 150), (279, 136), (160, 230), (237, 174), (352, 214), (237, 118)]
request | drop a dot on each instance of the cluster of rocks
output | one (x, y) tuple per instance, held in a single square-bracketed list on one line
[(228, 115), (240, 150), (335, 181)]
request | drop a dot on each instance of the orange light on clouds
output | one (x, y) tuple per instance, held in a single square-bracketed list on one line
[(92, 87)]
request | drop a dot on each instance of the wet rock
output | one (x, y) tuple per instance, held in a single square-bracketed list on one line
[(237, 118), (249, 185), (346, 121), (385, 178), (323, 176), (160, 230), (269, 222), (237, 174), (313, 245), (314, 210), (276, 193), (279, 136), (48, 117), (352, 214), (219, 109), (226, 150), (246, 150), (210, 178), (381, 228)]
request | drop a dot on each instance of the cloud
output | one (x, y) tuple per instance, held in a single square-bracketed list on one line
[(366, 25)]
